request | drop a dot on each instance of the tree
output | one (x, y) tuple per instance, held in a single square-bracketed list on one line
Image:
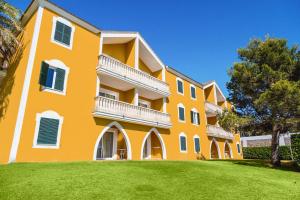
[(265, 86), (10, 28)]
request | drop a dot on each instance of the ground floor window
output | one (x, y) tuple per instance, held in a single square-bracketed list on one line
[(182, 142)]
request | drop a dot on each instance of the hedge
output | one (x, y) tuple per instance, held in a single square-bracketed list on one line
[(264, 153), (295, 142)]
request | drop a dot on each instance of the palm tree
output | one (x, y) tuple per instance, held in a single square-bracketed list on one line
[(10, 29)]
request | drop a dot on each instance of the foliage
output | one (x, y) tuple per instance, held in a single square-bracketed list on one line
[(264, 86), (264, 153), (10, 28), (295, 142), (230, 121)]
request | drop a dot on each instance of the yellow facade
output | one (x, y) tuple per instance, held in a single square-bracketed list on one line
[(82, 131)]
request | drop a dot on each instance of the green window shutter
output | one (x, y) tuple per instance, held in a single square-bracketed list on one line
[(60, 79), (192, 117), (198, 117), (181, 114), (43, 73), (179, 86), (63, 33), (48, 131), (182, 143), (197, 145)]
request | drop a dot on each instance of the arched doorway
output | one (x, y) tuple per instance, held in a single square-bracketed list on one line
[(214, 150), (227, 151), (153, 146), (112, 144)]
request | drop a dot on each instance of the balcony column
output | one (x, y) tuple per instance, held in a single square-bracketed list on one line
[(136, 61), (165, 105), (136, 97)]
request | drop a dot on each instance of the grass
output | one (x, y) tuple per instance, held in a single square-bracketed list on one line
[(148, 180)]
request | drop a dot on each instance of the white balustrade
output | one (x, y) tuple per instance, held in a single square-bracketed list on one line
[(123, 71), (215, 131), (127, 112), (212, 108)]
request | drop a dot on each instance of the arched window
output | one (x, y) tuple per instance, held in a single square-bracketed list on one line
[(181, 112), (62, 32), (195, 117), (197, 147), (182, 142), (180, 86), (47, 130)]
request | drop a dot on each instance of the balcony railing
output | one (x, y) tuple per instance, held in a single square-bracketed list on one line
[(218, 132), (116, 68), (112, 109), (212, 109)]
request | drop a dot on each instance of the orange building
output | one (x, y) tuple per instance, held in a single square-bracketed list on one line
[(75, 92)]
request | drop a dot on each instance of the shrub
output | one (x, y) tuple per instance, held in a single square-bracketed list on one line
[(264, 153), (295, 142)]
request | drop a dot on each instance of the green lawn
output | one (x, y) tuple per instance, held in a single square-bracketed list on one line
[(148, 180)]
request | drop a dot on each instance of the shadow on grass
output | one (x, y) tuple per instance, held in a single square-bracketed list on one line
[(285, 165)]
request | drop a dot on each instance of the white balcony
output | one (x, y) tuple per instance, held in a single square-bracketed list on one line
[(112, 109), (212, 109), (113, 71), (218, 132)]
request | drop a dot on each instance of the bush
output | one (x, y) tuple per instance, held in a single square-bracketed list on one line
[(264, 153), (295, 142)]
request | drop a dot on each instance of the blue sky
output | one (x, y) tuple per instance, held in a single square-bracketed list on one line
[(196, 37)]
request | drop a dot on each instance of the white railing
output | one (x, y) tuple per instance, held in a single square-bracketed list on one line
[(110, 108), (215, 131), (123, 71), (212, 108)]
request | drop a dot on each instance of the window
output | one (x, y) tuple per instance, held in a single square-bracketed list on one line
[(238, 148), (62, 33), (181, 113), (193, 92), (53, 76), (48, 129), (108, 94), (195, 117), (197, 144), (144, 103), (180, 89), (182, 142)]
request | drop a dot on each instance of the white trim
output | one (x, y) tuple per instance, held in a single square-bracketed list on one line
[(122, 130), (26, 85), (179, 79), (162, 143), (180, 105), (194, 110), (67, 23), (101, 45), (97, 85), (182, 134), (215, 94), (193, 86), (197, 136), (110, 92), (218, 148), (163, 73), (165, 105), (136, 54), (230, 149), (52, 115), (54, 63)]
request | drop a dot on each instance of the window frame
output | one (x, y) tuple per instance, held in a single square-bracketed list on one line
[(195, 113), (192, 86), (52, 115), (67, 23), (180, 105), (142, 101), (186, 145), (238, 144), (177, 88), (196, 136), (54, 64), (110, 92)]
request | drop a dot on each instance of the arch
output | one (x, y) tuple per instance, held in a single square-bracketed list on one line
[(121, 129), (214, 142), (156, 132), (226, 143)]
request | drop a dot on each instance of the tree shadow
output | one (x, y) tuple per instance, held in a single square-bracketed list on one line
[(8, 82), (285, 165)]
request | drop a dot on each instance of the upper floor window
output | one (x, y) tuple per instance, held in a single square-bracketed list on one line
[(181, 112), (108, 94), (193, 92), (144, 103), (47, 130), (182, 142), (195, 117), (53, 76), (62, 32), (197, 144), (180, 87)]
